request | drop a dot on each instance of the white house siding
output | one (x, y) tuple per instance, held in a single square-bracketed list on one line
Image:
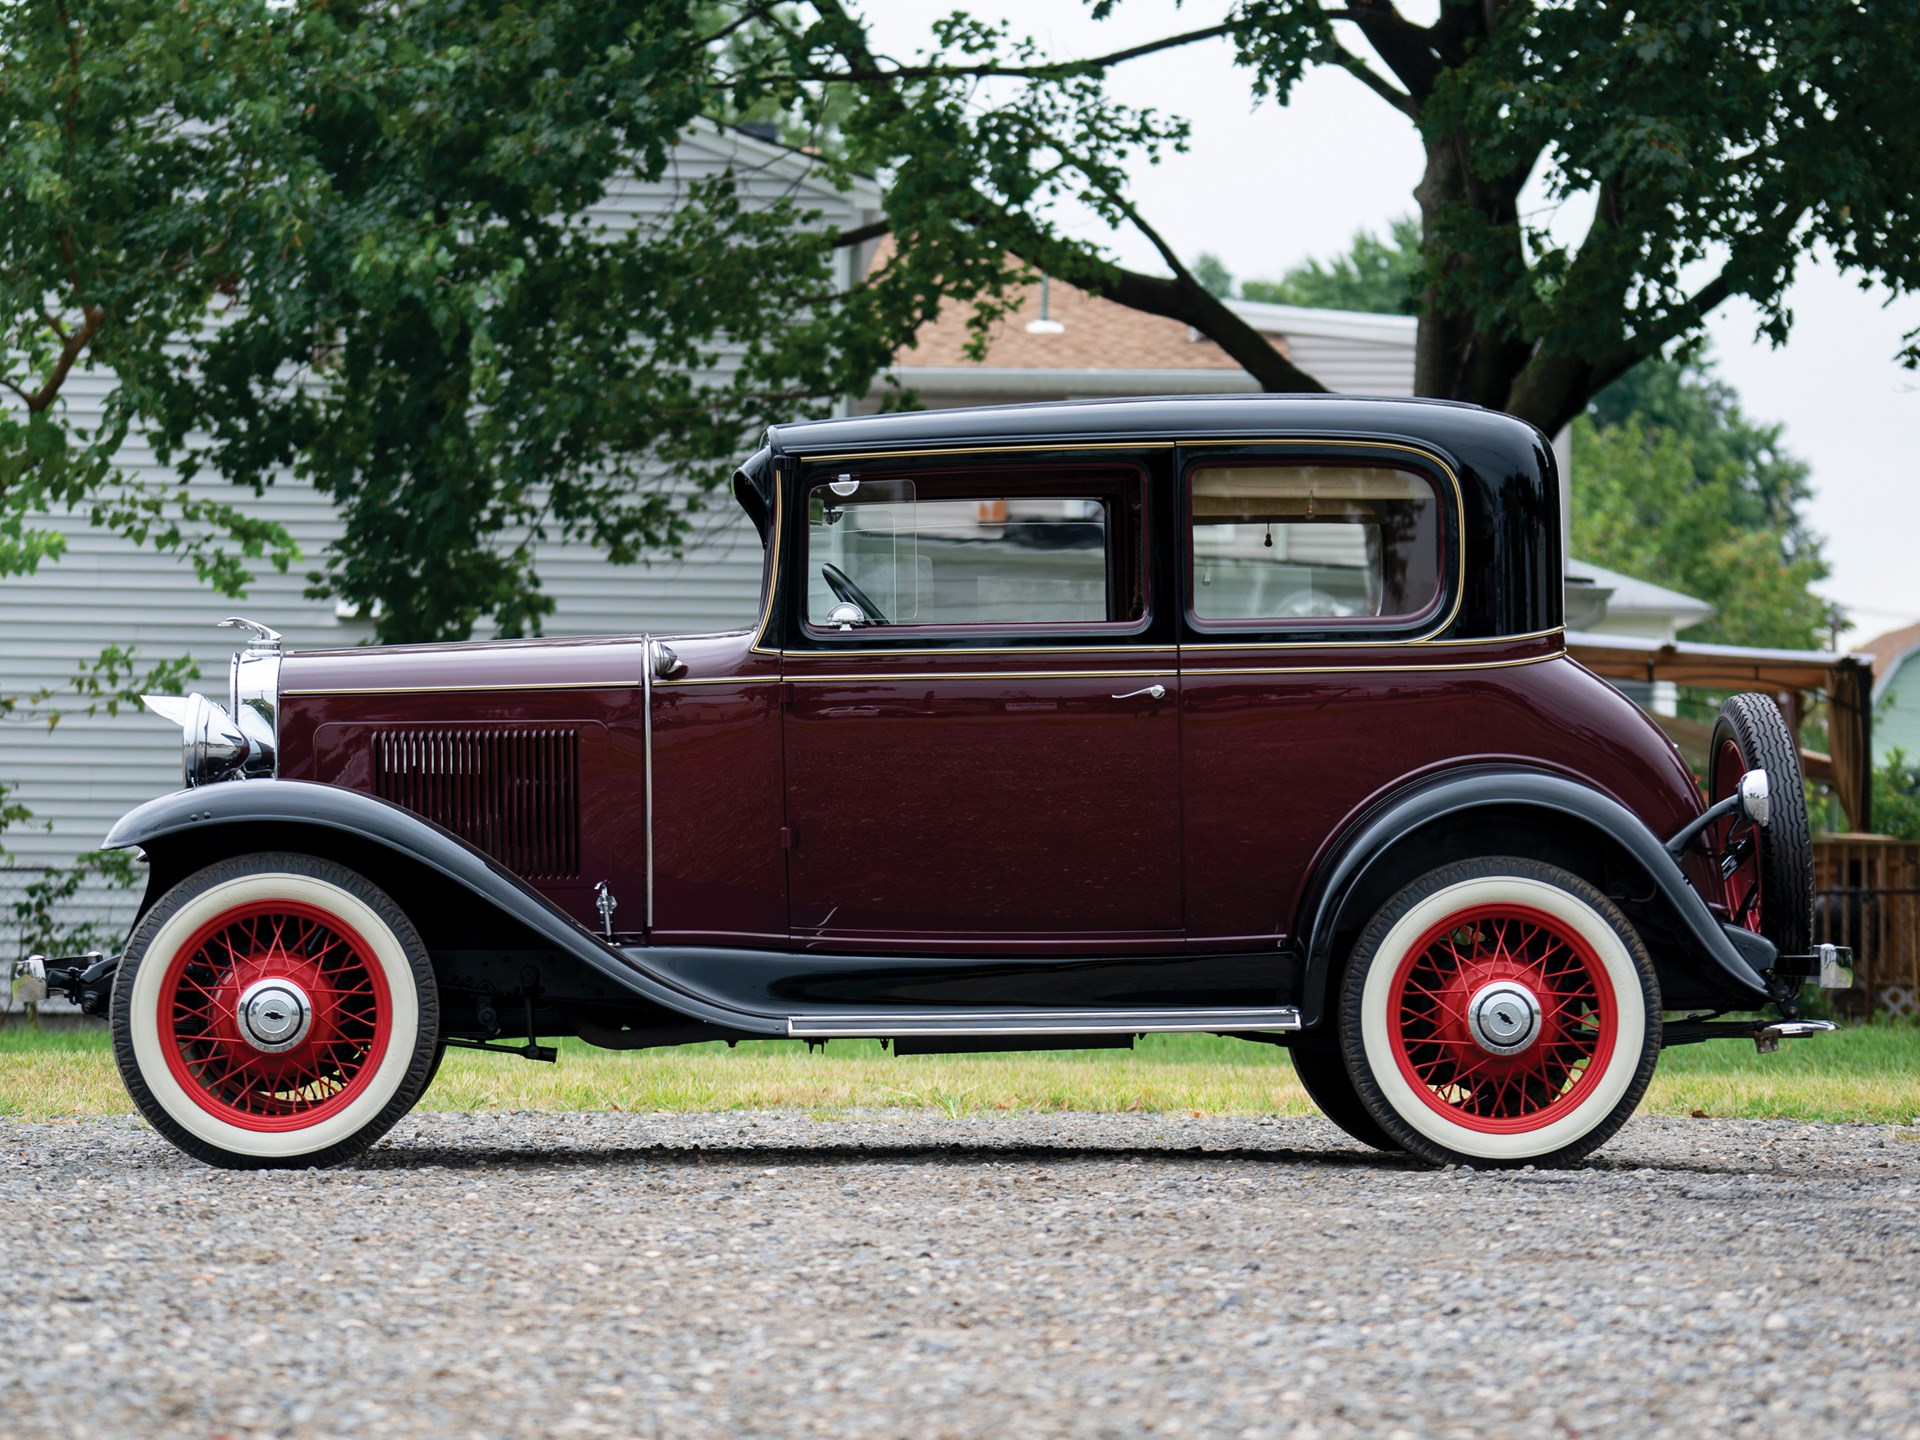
[(1353, 367), (1896, 700), (90, 770)]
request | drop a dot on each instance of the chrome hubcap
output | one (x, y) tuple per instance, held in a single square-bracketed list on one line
[(1503, 1017), (275, 1015)]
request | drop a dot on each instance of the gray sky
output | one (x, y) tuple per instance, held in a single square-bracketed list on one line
[(1265, 187)]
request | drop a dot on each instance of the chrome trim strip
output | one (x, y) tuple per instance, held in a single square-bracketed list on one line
[(1197, 674), (719, 680), (877, 676), (986, 650), (469, 689), (646, 746), (881, 1024), (1287, 646)]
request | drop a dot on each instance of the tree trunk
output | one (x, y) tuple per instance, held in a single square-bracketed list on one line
[(1456, 355)]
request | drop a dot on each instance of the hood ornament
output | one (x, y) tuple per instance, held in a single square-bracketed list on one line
[(263, 636)]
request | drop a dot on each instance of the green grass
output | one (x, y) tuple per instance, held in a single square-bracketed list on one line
[(1864, 1074)]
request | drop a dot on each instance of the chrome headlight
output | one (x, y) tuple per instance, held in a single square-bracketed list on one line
[(211, 745), (243, 739)]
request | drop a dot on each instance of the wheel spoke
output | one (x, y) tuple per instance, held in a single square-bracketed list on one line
[(1433, 1018), (208, 1043)]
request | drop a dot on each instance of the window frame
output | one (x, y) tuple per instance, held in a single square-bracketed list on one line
[(1112, 480), (1201, 632)]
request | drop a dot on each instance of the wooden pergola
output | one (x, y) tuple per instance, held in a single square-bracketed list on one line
[(1790, 676)]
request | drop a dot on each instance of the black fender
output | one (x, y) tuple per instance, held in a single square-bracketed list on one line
[(202, 812), (1325, 914)]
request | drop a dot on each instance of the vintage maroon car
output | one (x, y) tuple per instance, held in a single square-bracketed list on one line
[(1057, 725)]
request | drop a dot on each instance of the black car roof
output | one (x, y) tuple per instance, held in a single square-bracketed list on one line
[(1176, 416), (1504, 469)]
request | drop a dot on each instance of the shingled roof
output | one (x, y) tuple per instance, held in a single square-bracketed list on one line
[(1888, 648), (1095, 334)]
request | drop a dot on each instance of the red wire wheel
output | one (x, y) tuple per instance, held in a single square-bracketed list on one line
[(1502, 1018), (274, 1015)]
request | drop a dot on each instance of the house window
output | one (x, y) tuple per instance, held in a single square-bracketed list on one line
[(966, 554), (1313, 543)]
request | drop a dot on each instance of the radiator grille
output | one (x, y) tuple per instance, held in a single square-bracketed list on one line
[(514, 793)]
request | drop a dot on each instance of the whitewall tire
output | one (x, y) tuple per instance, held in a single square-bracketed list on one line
[(1500, 1012), (275, 1010)]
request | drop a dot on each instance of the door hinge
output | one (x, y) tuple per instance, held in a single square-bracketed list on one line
[(783, 692), (786, 837)]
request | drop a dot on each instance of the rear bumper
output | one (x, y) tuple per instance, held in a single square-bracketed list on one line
[(1828, 966)]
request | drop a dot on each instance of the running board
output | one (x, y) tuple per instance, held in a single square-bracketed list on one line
[(885, 1024)]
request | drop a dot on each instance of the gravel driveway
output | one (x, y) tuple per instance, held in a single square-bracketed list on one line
[(901, 1274)]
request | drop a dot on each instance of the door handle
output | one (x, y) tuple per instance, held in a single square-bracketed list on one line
[(1155, 692)]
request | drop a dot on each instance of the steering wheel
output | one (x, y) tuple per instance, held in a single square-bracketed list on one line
[(842, 585)]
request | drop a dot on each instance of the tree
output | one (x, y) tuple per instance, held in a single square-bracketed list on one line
[(1673, 482), (1716, 143), (1896, 796), (349, 241), (1648, 502), (130, 145), (1378, 275), (1683, 396)]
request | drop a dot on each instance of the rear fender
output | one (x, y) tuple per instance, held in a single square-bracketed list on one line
[(1465, 813), (190, 828)]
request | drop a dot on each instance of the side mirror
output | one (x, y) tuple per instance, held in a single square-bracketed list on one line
[(1755, 798)]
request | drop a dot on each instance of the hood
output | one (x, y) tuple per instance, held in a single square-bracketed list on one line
[(471, 665)]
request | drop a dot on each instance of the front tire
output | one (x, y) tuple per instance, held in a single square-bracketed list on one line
[(275, 1010), (1500, 1012)]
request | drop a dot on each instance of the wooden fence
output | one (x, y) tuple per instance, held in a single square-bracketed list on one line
[(1867, 895)]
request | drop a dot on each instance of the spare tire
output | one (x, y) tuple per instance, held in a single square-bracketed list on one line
[(1767, 873)]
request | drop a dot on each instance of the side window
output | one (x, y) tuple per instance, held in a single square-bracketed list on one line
[(969, 554), (1300, 542)]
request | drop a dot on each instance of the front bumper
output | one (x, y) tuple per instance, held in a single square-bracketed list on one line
[(86, 980)]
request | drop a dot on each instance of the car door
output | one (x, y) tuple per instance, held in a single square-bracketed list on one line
[(1314, 578), (982, 730)]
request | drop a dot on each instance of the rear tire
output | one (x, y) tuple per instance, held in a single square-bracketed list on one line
[(1323, 1075), (275, 1010), (1770, 890), (1500, 1012)]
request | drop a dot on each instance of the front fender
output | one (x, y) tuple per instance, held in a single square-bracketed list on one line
[(1328, 911), (203, 812)]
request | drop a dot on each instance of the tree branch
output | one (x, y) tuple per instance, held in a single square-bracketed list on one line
[(1363, 72), (1679, 320), (1052, 71), (1407, 49), (860, 234), (70, 351), (746, 18), (1181, 298)]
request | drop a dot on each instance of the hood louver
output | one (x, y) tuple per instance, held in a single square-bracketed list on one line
[(514, 793)]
